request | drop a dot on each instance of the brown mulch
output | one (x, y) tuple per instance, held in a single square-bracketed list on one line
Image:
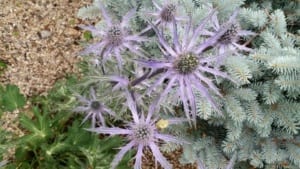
[(172, 157)]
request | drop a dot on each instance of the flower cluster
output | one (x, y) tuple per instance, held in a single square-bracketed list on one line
[(141, 133), (185, 67)]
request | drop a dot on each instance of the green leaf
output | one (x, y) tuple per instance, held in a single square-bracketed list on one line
[(5, 143), (87, 35), (11, 98), (2, 66), (39, 128)]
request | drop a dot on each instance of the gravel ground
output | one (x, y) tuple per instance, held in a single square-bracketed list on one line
[(39, 42), (173, 158)]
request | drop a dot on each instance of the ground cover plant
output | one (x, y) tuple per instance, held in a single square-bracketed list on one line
[(53, 137), (218, 79)]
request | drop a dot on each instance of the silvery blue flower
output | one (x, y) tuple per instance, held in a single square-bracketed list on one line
[(115, 38), (166, 12), (229, 41), (141, 133), (93, 109)]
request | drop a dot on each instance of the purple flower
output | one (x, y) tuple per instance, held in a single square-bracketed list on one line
[(141, 133), (167, 12), (114, 39), (93, 108), (229, 40), (186, 66)]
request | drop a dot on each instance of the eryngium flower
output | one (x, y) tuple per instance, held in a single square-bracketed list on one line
[(230, 39), (141, 133), (114, 39), (93, 109), (167, 12), (186, 66)]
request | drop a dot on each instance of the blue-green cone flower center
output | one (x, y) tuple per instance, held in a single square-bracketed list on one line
[(95, 105), (167, 14), (142, 133), (230, 35), (186, 63), (115, 35)]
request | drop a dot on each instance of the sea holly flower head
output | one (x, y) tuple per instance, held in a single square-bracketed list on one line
[(230, 36), (115, 37), (141, 133), (93, 109), (185, 65), (167, 11), (230, 39)]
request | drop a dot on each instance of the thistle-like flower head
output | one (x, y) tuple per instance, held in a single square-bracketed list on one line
[(93, 109), (186, 63), (186, 66), (230, 36), (115, 38), (230, 39), (141, 133), (167, 11)]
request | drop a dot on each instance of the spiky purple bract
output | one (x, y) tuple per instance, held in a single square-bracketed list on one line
[(141, 133), (93, 109), (115, 39)]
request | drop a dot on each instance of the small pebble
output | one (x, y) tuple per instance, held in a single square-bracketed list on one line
[(71, 32), (44, 34)]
